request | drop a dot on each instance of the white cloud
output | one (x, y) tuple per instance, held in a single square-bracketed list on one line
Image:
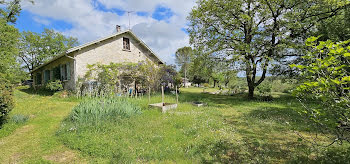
[(89, 23), (42, 21)]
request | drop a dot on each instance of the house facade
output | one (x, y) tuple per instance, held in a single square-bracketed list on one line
[(122, 47)]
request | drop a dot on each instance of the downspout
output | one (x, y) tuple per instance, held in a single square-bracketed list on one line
[(75, 68)]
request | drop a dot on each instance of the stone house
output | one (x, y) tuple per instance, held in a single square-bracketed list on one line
[(122, 47)]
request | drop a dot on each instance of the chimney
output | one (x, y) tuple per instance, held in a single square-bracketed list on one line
[(118, 28)]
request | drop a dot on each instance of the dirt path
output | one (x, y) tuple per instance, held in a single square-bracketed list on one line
[(36, 142)]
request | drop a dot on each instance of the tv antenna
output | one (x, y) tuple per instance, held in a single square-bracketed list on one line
[(129, 18)]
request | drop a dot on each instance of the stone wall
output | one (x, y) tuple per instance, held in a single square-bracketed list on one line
[(104, 52), (67, 84), (111, 50)]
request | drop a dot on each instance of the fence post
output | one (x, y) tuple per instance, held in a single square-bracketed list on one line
[(162, 94), (177, 97), (149, 95)]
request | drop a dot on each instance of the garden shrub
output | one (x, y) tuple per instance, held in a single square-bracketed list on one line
[(54, 85), (6, 100), (94, 111)]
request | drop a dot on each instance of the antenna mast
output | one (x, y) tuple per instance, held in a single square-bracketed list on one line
[(129, 18)]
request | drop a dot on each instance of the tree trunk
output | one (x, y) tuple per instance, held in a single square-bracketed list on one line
[(251, 89), (185, 78)]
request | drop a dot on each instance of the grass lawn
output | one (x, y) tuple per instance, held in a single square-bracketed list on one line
[(230, 129)]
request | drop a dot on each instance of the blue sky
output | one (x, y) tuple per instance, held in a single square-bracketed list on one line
[(161, 24)]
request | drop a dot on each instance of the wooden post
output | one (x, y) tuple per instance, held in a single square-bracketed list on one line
[(149, 95), (177, 97), (162, 94)]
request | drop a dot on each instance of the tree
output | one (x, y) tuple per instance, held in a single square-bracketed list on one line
[(183, 58), (326, 81), (9, 68), (168, 74), (256, 33), (200, 69), (39, 48), (336, 28)]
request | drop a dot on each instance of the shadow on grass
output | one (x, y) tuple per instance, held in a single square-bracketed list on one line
[(335, 154), (246, 151), (286, 116), (41, 92), (235, 100)]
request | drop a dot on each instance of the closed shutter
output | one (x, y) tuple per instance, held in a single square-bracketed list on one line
[(61, 72), (68, 71)]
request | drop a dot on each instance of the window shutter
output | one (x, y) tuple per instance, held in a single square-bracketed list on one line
[(61, 73), (68, 71)]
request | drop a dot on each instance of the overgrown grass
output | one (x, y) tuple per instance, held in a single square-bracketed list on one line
[(34, 141), (94, 111), (230, 129)]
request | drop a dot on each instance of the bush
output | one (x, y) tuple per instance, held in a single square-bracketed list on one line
[(326, 80), (284, 85), (94, 111), (264, 89), (206, 85), (19, 118), (6, 101), (54, 85)]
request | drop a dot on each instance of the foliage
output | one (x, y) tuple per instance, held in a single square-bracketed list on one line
[(96, 111), (200, 69), (6, 100), (54, 85), (117, 77), (107, 76), (255, 33), (11, 10), (335, 29), (238, 85), (264, 89), (183, 57), (19, 118), (326, 81), (151, 74), (9, 69), (38, 48), (168, 74), (206, 85)]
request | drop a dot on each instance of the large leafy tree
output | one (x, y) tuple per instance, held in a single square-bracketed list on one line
[(183, 58), (38, 48), (256, 33), (326, 81)]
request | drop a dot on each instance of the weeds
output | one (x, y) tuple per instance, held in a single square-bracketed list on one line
[(96, 110), (19, 118)]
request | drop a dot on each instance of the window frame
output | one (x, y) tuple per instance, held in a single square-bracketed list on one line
[(126, 44)]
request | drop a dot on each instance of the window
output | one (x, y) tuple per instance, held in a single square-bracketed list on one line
[(65, 72), (126, 44)]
